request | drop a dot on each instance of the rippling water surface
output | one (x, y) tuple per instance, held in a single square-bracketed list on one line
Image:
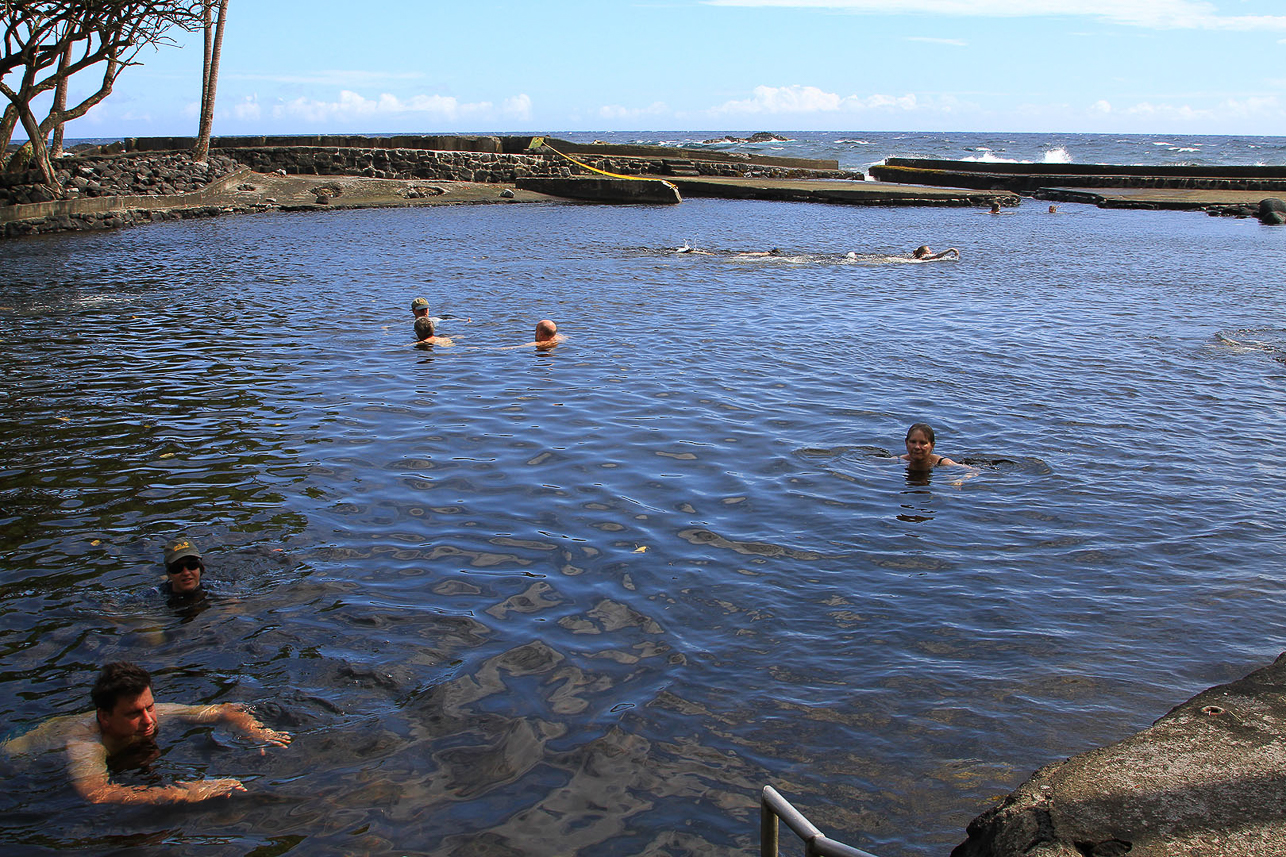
[(591, 600)]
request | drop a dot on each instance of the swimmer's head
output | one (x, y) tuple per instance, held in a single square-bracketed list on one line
[(424, 327), (921, 251), (924, 429), (420, 306), (545, 330), (119, 680)]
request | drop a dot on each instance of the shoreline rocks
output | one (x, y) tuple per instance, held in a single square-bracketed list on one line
[(1209, 778)]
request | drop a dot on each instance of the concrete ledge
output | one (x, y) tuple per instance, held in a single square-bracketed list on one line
[(1029, 178), (1208, 779), (596, 189), (837, 191)]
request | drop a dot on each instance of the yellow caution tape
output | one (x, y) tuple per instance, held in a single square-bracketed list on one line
[(543, 144)]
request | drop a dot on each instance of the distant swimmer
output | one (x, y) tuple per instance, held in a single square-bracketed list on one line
[(420, 308), (920, 456), (995, 208), (425, 336), (688, 248), (1053, 209), (122, 729), (547, 335), (925, 253), (755, 254)]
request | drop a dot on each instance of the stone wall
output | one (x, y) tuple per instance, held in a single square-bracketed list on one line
[(488, 166), (140, 173), (384, 163), (115, 175)]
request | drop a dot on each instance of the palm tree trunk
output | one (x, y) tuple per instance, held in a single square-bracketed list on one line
[(210, 76)]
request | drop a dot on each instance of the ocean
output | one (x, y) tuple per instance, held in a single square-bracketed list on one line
[(860, 150), (592, 599)]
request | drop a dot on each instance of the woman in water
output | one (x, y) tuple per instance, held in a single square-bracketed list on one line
[(925, 253), (920, 456)]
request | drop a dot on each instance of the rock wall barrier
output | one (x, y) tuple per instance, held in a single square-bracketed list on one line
[(111, 212)]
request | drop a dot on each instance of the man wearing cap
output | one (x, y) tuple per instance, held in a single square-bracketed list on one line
[(183, 568), (123, 727)]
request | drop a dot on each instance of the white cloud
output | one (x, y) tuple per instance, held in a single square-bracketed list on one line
[(517, 107), (247, 108), (617, 113), (1166, 112), (352, 106), (773, 100), (932, 41), (1156, 115), (1254, 105), (1152, 14)]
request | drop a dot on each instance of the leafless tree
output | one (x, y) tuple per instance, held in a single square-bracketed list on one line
[(213, 25), (46, 42)]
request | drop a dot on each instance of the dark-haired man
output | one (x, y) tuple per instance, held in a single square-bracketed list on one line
[(126, 719)]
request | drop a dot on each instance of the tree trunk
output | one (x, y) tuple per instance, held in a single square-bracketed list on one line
[(60, 102), (210, 78), (8, 122), (39, 151)]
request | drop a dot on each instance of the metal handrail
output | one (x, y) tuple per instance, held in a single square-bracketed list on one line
[(773, 806)]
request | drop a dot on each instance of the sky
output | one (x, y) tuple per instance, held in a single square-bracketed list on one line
[(719, 66)]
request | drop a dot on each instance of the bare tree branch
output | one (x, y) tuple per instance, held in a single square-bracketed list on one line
[(46, 42)]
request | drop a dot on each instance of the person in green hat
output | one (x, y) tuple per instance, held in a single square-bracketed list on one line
[(183, 570)]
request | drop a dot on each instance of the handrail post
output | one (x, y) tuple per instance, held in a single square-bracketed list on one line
[(773, 808), (767, 826)]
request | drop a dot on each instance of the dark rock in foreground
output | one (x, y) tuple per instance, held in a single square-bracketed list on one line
[(1207, 779), (1272, 211)]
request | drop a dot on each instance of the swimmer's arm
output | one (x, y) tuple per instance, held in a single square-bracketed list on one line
[(87, 763), (228, 713), (959, 481)]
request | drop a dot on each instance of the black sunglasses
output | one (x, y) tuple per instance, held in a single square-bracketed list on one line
[(190, 563)]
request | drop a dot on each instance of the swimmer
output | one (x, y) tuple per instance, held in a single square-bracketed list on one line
[(995, 208), (547, 335), (183, 570), (1053, 209), (760, 253), (424, 333), (926, 254), (920, 456), (124, 725)]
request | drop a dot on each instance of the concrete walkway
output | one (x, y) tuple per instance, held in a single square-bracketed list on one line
[(837, 191), (1155, 197)]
